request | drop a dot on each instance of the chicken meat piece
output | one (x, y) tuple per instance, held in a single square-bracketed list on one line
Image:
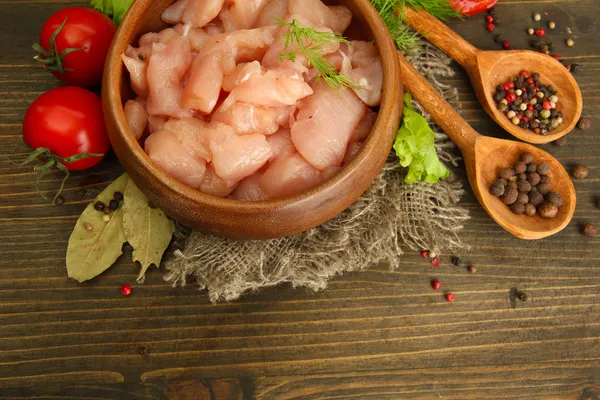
[(289, 175), (136, 117), (214, 185), (364, 127), (241, 14), (249, 189), (248, 119), (273, 10), (336, 18)]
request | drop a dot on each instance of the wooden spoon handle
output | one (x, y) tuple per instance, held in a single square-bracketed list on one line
[(441, 112), (441, 36)]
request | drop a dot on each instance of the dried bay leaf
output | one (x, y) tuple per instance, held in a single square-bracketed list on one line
[(147, 229), (91, 252)]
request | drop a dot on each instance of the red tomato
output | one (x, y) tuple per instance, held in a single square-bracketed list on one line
[(68, 121), (85, 29), (472, 7)]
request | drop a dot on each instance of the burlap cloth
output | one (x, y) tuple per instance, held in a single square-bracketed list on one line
[(389, 217)]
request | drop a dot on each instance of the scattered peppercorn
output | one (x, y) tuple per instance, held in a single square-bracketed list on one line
[(435, 262), (118, 196), (450, 297), (530, 31), (536, 17), (561, 142), (589, 230), (489, 19), (540, 32), (490, 27), (505, 44), (105, 218), (551, 24), (88, 227), (59, 200), (456, 261), (424, 253), (113, 205), (570, 42), (435, 284), (522, 296), (580, 171), (126, 290), (144, 352), (99, 206), (142, 56), (472, 269), (106, 210), (584, 123)]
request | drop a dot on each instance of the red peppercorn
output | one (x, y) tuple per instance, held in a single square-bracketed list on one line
[(435, 262), (524, 74), (530, 81), (510, 97), (435, 284), (505, 44), (424, 254), (555, 56), (540, 32), (547, 105), (491, 27), (126, 290), (530, 107), (506, 87), (450, 297), (520, 116), (568, 67), (525, 118), (489, 19), (511, 84)]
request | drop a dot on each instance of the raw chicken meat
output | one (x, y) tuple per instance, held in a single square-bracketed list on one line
[(325, 123), (273, 10), (137, 117), (240, 14), (236, 157), (289, 175), (214, 185), (173, 158), (227, 115), (364, 127), (249, 189), (336, 18), (167, 66)]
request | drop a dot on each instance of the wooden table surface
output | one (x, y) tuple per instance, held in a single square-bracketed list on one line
[(372, 335)]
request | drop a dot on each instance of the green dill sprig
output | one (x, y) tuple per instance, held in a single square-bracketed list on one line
[(405, 38), (310, 44)]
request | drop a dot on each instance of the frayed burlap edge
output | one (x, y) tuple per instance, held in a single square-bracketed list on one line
[(390, 216)]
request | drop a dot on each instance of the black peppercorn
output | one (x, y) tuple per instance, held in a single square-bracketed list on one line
[(113, 205), (555, 198), (118, 196), (522, 296), (59, 200), (589, 230), (99, 206), (456, 261), (535, 76), (580, 171)]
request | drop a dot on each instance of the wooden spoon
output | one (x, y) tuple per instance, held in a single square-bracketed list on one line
[(485, 156), (488, 69)]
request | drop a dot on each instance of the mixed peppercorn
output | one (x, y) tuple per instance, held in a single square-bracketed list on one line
[(526, 188), (529, 103)]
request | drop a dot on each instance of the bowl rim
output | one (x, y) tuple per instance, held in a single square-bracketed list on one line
[(112, 95)]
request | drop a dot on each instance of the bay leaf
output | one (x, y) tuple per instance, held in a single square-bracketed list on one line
[(147, 228), (93, 251)]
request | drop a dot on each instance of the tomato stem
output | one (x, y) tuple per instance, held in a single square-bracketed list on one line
[(52, 59), (51, 160)]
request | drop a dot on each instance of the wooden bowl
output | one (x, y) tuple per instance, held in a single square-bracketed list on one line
[(241, 219)]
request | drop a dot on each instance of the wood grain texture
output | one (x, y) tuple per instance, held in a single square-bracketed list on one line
[(372, 335)]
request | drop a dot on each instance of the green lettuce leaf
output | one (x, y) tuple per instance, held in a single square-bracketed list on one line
[(415, 148), (115, 9)]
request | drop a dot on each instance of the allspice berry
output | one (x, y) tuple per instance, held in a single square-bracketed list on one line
[(543, 169), (589, 230), (536, 198), (584, 123), (520, 167), (555, 198), (522, 198), (518, 208), (545, 179), (526, 157), (534, 178), (506, 173), (544, 188), (531, 167), (523, 186), (510, 196), (580, 171), (497, 190), (560, 142), (547, 210), (472, 269), (530, 210)]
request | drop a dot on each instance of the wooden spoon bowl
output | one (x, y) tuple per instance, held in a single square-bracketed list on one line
[(488, 69), (485, 156), (240, 219)]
